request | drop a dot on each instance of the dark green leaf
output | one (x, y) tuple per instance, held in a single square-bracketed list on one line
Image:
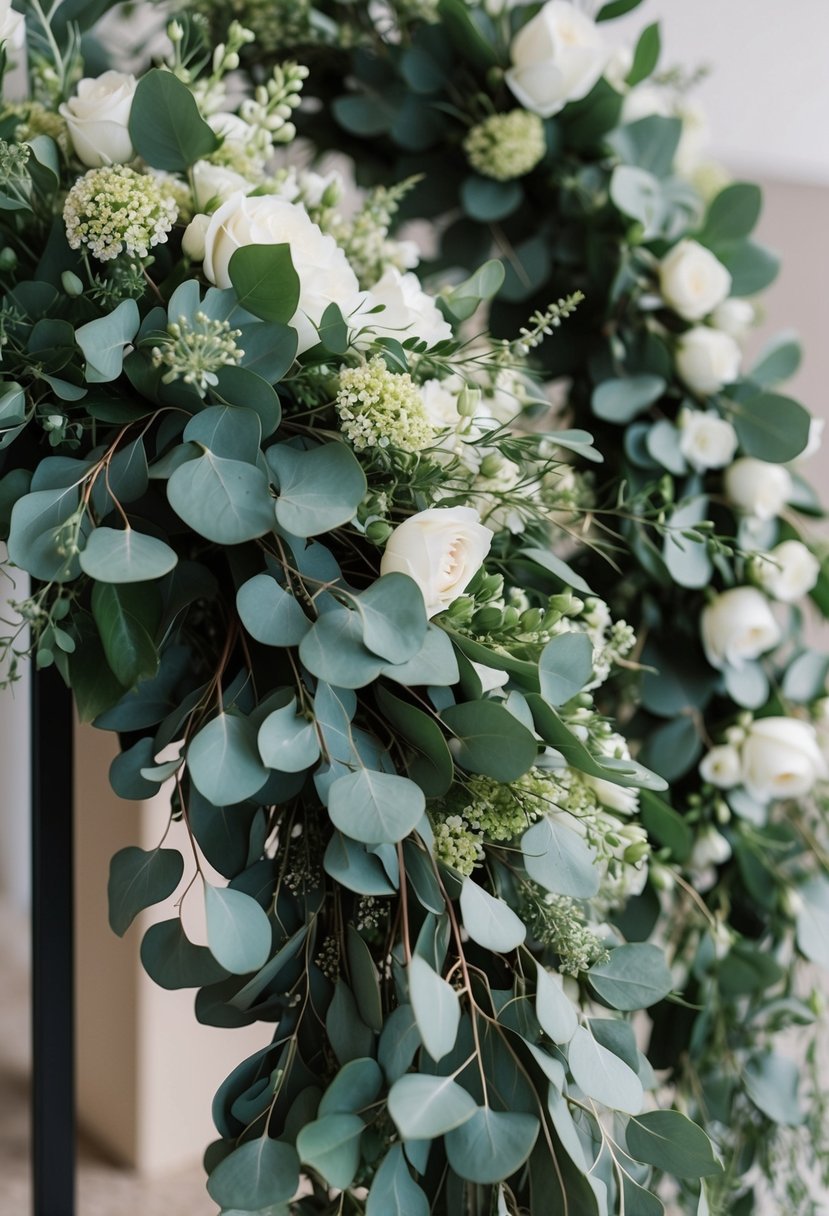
[(139, 879), (165, 126), (671, 1142), (265, 281)]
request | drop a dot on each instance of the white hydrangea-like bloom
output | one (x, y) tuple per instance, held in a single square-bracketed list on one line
[(114, 210), (379, 408), (506, 146)]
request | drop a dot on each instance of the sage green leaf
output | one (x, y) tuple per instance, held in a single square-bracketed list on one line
[(436, 1008), (562, 1120), (258, 1173), (271, 614), (565, 666), (35, 527), (399, 1043), (813, 922), (559, 859), (423, 1107), (225, 501), (129, 649), (491, 1145), (393, 1190), (638, 1201), (224, 760), (333, 650), (770, 426), (320, 488), (420, 871), (434, 664), (350, 864), (231, 431), (365, 982), (558, 568), (466, 298), (355, 1086), (271, 971), (242, 386), (172, 961), (778, 361), (489, 740), (602, 1075), (432, 768), (622, 400), (621, 772), (671, 1142), (394, 617), (166, 128), (103, 340), (238, 930), (287, 741), (752, 267), (487, 200), (686, 557), (553, 1008), (264, 279), (646, 55), (489, 921), (331, 1147), (771, 1081), (139, 879), (348, 1034), (375, 808), (122, 555), (732, 214), (634, 977)]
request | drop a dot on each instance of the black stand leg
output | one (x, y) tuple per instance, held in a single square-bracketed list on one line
[(53, 1022)]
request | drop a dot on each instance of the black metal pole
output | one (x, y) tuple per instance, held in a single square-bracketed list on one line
[(53, 1014)]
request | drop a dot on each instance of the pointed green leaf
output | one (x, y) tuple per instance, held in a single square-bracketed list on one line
[(491, 1145), (238, 930), (436, 1008), (139, 879), (423, 1107), (114, 555), (375, 808), (489, 921)]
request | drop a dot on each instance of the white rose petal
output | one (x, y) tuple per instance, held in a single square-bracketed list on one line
[(710, 849), (97, 119), (815, 439), (192, 243), (721, 767), (706, 440), (692, 281), (788, 572), (557, 57), (325, 277), (693, 140), (781, 759), (707, 359), (215, 184), (408, 312), (643, 101), (758, 487), (442, 549), (490, 677), (734, 317), (737, 627), (12, 26)]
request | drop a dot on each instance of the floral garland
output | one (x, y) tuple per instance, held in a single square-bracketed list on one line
[(578, 163), (308, 549)]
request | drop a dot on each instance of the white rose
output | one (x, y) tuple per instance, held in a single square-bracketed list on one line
[(617, 68), (232, 130), (710, 849), (734, 317), (215, 184), (440, 399), (12, 26), (706, 440), (692, 281), (442, 549), (192, 243), (721, 767), (788, 572), (643, 101), (758, 487), (738, 626), (707, 359), (557, 57), (781, 759), (325, 277), (408, 312), (97, 119)]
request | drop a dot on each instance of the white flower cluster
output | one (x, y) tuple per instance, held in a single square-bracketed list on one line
[(197, 353), (114, 210), (378, 408)]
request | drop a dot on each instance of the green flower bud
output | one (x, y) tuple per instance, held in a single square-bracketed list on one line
[(378, 531), (8, 259), (469, 398), (71, 284)]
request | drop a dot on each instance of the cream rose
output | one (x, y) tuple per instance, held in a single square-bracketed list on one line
[(12, 26), (734, 317), (788, 572), (557, 57), (710, 849), (707, 359), (721, 767), (706, 440), (692, 281), (442, 549), (215, 184), (325, 276), (408, 312), (758, 487), (97, 119), (738, 626), (781, 759)]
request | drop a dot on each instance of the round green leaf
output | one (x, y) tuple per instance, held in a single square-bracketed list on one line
[(559, 859), (224, 761), (126, 556), (238, 930), (351, 865), (333, 650), (634, 977), (172, 961), (287, 741), (139, 879), (165, 125), (771, 427), (565, 666), (394, 617), (553, 1008), (489, 921), (255, 1175), (489, 740), (355, 1086), (331, 1147), (225, 501), (621, 400), (491, 1145), (672, 1143), (319, 488), (375, 808), (270, 614), (602, 1075), (265, 281), (231, 431), (487, 200), (423, 1107)]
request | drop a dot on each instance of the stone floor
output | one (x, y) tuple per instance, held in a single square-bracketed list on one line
[(103, 1189)]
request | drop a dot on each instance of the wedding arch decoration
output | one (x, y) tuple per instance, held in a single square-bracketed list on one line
[(305, 537)]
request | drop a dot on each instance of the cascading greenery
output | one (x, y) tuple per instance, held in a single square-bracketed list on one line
[(577, 162), (309, 549)]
